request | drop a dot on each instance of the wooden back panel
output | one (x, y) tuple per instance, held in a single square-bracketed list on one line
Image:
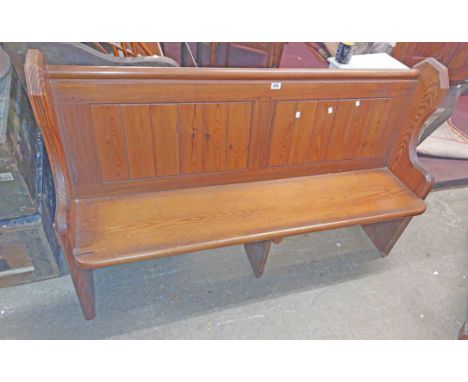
[(145, 129)]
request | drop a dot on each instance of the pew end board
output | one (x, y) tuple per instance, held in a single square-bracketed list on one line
[(153, 162)]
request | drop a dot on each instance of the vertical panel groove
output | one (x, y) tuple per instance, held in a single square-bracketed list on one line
[(164, 122), (376, 127), (303, 127), (191, 138), (110, 142), (76, 123), (237, 137), (283, 129), (122, 129), (214, 132), (138, 138), (339, 134)]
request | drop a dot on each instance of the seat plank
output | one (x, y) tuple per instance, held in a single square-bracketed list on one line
[(122, 229)]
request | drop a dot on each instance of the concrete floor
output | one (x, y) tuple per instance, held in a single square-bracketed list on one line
[(327, 285)]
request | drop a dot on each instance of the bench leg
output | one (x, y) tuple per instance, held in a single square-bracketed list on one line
[(83, 281), (385, 234), (257, 253)]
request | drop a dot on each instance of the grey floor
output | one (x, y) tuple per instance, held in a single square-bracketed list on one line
[(328, 285)]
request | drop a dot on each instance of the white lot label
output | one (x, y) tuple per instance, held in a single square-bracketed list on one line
[(6, 176), (275, 85)]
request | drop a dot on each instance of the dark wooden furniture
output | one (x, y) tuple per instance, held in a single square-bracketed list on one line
[(75, 53), (246, 54), (130, 49), (226, 54), (152, 162), (454, 55)]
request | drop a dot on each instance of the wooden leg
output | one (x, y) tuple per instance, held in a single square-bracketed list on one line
[(463, 334), (83, 281), (385, 234), (257, 253)]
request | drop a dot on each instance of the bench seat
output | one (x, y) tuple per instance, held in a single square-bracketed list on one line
[(122, 229)]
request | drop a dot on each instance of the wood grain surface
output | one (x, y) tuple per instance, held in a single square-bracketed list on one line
[(152, 162), (130, 228)]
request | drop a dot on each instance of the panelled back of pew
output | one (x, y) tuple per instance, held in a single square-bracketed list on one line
[(191, 127)]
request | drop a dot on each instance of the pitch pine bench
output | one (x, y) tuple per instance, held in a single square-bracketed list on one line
[(153, 162)]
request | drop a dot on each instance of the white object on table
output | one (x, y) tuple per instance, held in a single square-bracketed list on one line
[(369, 61)]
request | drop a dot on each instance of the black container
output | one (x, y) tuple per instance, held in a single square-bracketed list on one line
[(344, 52)]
